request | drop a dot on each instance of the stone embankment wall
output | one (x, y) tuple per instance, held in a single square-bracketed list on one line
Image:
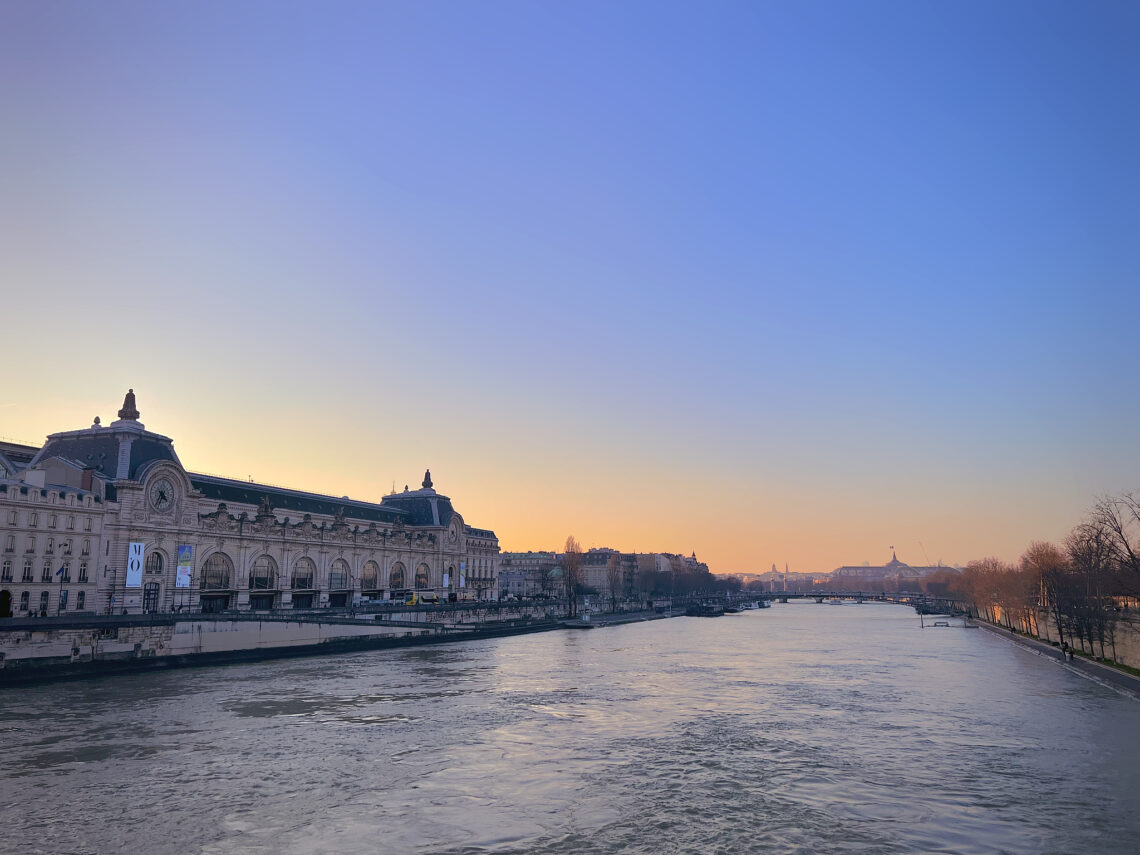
[(25, 649), (38, 648), (1121, 641)]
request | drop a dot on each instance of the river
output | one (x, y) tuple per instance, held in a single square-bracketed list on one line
[(801, 728)]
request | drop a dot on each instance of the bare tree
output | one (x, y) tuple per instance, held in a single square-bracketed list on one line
[(1091, 550), (1041, 562), (614, 581), (1118, 519), (572, 568)]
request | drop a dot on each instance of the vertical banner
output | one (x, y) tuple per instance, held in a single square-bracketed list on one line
[(135, 564), (462, 574), (446, 579), (185, 562)]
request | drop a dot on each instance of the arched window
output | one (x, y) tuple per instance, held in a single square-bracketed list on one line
[(154, 564), (422, 576), (304, 574), (338, 575), (370, 576), (217, 571), (263, 574), (396, 577)]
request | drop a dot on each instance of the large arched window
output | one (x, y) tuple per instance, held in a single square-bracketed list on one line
[(304, 574), (217, 571), (338, 575), (154, 564), (396, 577), (370, 576), (263, 574), (422, 575)]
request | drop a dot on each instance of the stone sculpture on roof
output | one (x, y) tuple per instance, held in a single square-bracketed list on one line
[(427, 479), (129, 411)]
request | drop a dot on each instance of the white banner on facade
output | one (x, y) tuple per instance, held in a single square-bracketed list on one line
[(462, 581), (135, 564), (446, 580), (185, 562)]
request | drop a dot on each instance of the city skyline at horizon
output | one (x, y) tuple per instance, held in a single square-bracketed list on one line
[(768, 284)]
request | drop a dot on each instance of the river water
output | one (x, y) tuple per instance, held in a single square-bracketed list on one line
[(801, 728)]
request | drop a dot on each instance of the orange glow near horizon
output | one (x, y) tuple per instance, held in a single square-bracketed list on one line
[(729, 517)]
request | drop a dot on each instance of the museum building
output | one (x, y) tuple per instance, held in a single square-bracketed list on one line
[(107, 519)]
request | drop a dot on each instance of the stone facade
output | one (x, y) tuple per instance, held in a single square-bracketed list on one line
[(523, 575), (86, 495)]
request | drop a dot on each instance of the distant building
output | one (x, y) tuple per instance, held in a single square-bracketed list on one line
[(529, 574), (893, 569)]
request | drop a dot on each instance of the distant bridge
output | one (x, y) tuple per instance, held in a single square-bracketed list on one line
[(922, 603)]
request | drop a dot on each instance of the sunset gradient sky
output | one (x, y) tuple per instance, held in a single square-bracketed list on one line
[(768, 281)]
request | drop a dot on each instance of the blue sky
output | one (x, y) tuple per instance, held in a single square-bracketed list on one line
[(767, 281)]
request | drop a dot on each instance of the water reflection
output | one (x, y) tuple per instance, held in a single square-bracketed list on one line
[(799, 728)]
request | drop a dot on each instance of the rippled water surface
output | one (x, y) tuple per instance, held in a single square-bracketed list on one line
[(802, 728)]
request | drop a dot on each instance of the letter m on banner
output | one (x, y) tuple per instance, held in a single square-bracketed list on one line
[(135, 564)]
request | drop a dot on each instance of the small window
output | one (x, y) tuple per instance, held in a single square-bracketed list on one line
[(6, 571), (82, 571), (80, 599), (67, 571), (43, 601), (51, 521), (71, 522), (24, 601), (87, 547), (49, 549), (63, 600), (30, 546), (27, 577), (45, 572), (154, 564), (11, 517), (10, 543), (67, 548), (33, 520), (87, 523)]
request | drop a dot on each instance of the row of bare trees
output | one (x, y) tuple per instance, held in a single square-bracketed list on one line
[(1083, 584)]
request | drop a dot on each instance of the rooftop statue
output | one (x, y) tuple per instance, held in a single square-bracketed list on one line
[(129, 411), (427, 479)]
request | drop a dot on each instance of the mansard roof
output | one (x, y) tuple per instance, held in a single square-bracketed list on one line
[(15, 456), (423, 507), (283, 499), (99, 449)]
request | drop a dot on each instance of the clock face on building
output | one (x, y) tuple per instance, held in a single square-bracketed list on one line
[(162, 495)]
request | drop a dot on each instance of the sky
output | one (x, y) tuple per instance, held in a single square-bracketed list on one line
[(769, 282)]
